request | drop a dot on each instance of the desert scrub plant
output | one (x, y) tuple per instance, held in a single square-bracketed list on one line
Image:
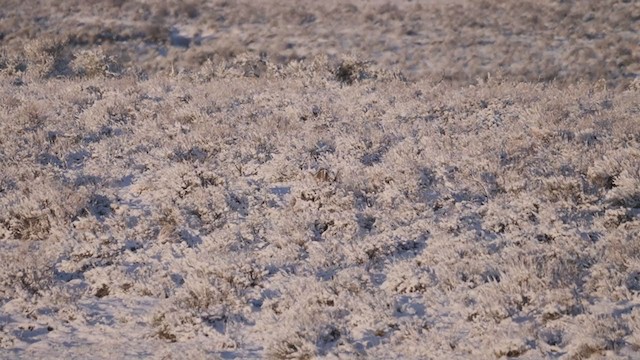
[(351, 70), (7, 341), (244, 65), (27, 271), (162, 328), (511, 348), (174, 323), (90, 63), (406, 278), (292, 347), (626, 191), (603, 172), (562, 188), (40, 208), (32, 226), (308, 339), (47, 57), (12, 64), (33, 116), (604, 334), (314, 310)]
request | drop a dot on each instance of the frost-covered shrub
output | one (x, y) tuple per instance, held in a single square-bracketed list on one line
[(90, 63), (277, 211)]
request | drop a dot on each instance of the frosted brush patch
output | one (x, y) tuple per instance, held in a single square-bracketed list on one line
[(252, 180)]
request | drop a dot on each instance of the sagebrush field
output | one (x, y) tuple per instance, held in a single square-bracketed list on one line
[(420, 179)]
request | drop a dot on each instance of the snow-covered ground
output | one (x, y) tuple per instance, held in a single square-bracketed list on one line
[(297, 215), (426, 179)]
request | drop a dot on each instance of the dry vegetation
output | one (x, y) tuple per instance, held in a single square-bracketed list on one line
[(454, 40), (227, 179)]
